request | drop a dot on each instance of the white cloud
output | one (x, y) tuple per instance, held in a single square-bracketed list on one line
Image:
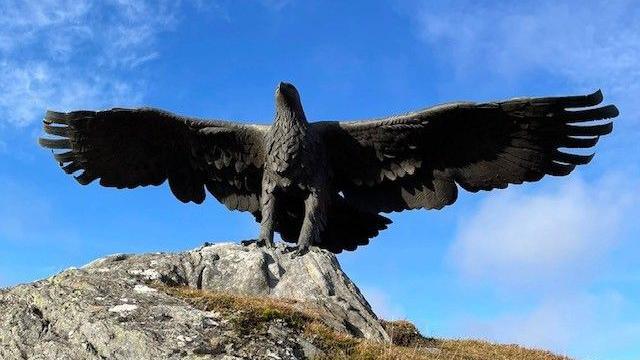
[(21, 21), (520, 239), (113, 25), (382, 304), (29, 89), (586, 326), (594, 44), (549, 253), (65, 54)]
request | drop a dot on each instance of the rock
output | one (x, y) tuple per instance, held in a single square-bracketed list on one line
[(108, 309)]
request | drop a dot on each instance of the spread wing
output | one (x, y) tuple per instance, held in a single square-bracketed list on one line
[(415, 160), (127, 148)]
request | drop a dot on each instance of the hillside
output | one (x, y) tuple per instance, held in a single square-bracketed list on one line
[(222, 301)]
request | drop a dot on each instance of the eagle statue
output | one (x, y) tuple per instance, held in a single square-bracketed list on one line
[(325, 183)]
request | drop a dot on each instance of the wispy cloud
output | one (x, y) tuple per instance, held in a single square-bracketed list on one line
[(382, 304), (591, 44), (28, 89), (23, 22), (62, 53), (541, 248), (560, 323), (518, 239)]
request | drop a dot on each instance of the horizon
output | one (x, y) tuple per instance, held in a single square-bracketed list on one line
[(548, 265)]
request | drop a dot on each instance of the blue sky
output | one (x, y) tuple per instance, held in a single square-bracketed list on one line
[(553, 264)]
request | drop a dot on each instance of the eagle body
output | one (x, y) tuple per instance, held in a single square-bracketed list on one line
[(294, 175), (326, 183), (292, 151)]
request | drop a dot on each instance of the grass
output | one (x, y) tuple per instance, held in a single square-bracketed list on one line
[(250, 314), (247, 313)]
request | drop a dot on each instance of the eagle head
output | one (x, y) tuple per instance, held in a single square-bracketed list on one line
[(288, 98)]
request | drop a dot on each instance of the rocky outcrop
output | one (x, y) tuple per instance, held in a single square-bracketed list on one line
[(109, 309)]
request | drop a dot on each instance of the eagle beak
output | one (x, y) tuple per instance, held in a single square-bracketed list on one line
[(286, 90), (284, 86)]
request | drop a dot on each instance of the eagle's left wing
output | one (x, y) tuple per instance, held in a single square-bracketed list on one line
[(415, 160)]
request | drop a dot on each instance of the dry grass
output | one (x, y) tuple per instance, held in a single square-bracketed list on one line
[(250, 314), (343, 347), (247, 313)]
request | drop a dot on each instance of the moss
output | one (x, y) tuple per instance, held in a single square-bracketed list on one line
[(404, 333), (249, 314), (334, 344)]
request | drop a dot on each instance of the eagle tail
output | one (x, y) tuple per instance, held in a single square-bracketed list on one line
[(349, 227)]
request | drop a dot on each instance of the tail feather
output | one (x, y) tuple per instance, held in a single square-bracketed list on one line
[(348, 227)]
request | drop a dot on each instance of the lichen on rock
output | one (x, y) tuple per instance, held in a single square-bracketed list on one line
[(114, 307)]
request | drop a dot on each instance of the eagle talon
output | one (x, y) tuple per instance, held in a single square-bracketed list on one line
[(296, 251), (248, 242), (289, 249), (269, 244)]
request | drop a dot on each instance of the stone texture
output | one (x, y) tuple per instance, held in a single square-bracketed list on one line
[(105, 310)]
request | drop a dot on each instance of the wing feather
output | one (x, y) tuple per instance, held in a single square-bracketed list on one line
[(127, 148), (415, 160)]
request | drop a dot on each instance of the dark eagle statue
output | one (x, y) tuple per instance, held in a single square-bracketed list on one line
[(325, 183)]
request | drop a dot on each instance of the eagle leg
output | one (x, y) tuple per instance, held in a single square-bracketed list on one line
[(268, 204), (314, 221)]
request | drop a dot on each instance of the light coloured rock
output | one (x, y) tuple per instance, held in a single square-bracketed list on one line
[(123, 309), (104, 310), (143, 289)]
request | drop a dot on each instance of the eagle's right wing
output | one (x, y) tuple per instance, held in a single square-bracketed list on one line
[(127, 148)]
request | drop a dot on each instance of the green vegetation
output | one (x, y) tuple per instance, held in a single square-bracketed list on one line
[(249, 314)]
